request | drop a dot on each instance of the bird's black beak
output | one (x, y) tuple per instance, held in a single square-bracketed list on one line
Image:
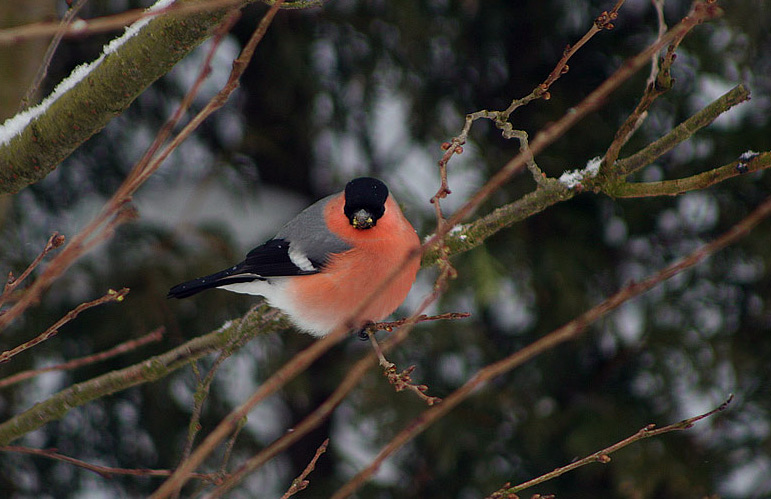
[(362, 219)]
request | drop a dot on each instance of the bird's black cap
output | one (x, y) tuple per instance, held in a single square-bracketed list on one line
[(368, 194)]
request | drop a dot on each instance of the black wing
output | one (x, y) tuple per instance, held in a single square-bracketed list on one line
[(269, 260)]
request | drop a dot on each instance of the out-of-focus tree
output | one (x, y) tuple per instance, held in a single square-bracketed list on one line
[(353, 88)]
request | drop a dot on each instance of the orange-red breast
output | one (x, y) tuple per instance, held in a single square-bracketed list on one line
[(327, 260)]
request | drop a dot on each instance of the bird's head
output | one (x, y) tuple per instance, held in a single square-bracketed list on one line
[(365, 199)]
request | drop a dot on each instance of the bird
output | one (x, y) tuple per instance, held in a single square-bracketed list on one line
[(319, 267)]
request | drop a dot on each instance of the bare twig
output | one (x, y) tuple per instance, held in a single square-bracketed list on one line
[(111, 295), (229, 447), (103, 471), (402, 380), (66, 21), (83, 27), (565, 333), (659, 83), (389, 326), (602, 456), (300, 483), (89, 359), (12, 283)]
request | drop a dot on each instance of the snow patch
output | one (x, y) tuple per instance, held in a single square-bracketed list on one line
[(16, 124), (748, 155), (572, 178)]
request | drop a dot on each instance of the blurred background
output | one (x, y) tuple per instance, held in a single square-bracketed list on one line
[(374, 88)]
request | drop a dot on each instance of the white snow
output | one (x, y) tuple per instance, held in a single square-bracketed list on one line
[(16, 124), (572, 178), (748, 155)]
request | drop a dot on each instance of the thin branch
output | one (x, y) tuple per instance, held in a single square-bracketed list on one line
[(390, 326), (79, 245), (402, 380), (569, 331), (66, 21), (300, 483), (103, 471), (89, 359), (84, 27), (230, 446), (659, 82), (602, 456), (12, 283), (110, 296)]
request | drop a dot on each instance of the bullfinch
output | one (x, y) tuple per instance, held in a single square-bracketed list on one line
[(323, 263)]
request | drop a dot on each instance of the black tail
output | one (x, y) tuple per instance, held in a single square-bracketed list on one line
[(229, 276)]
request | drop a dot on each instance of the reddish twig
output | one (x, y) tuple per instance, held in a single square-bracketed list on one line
[(603, 22), (83, 27), (602, 456), (389, 326), (104, 471), (300, 483), (12, 283), (65, 23), (79, 245), (90, 359), (111, 295), (401, 380)]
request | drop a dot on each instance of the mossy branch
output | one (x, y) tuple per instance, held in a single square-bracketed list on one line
[(259, 321), (692, 183), (681, 132), (106, 92)]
